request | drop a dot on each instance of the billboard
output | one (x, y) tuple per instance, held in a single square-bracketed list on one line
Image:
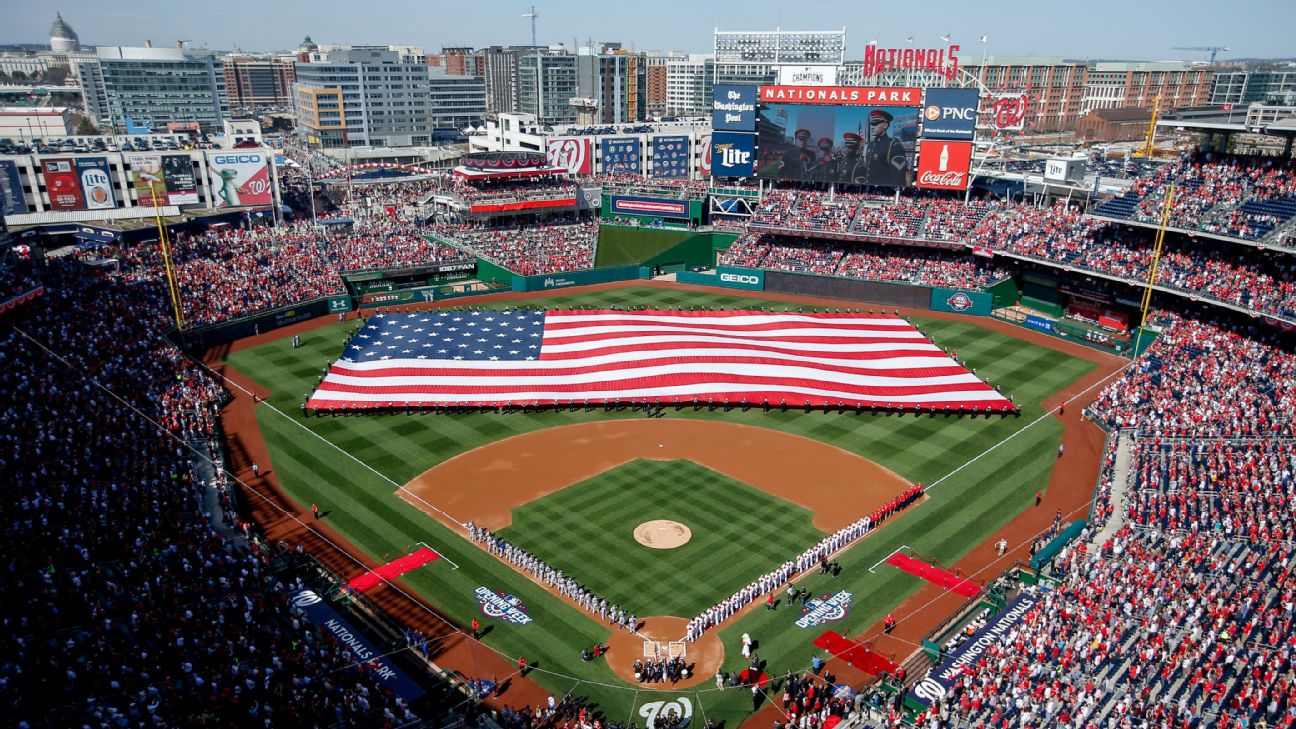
[(734, 108), (12, 199), (660, 207), (733, 154), (61, 182), (571, 154), (856, 145), (670, 156), (950, 114), (620, 155), (181, 186), (704, 156), (842, 95), (944, 165), (807, 75), (149, 180), (239, 177), (96, 183), (997, 631)]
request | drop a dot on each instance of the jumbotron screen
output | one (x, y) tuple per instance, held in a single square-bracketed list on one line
[(856, 145)]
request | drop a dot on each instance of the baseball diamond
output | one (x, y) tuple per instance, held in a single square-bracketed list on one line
[(369, 477)]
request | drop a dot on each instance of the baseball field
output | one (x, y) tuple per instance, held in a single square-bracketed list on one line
[(753, 488)]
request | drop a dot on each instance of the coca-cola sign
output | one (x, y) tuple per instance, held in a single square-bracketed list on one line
[(944, 165)]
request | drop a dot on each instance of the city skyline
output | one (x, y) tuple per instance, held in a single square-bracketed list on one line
[(1107, 30)]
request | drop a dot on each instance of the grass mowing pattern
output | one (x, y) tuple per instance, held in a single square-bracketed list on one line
[(962, 512), (620, 246), (587, 531)]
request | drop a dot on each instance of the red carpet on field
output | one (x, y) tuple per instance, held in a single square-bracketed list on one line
[(853, 653), (393, 569), (934, 575)]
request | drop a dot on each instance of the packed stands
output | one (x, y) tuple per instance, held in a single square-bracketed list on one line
[(535, 249), (125, 605), (860, 260)]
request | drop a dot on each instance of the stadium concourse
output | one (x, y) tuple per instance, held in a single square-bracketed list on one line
[(129, 605)]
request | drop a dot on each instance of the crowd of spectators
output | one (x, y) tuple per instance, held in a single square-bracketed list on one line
[(237, 272), (486, 192), (927, 267), (16, 282), (1181, 614), (532, 249), (125, 605)]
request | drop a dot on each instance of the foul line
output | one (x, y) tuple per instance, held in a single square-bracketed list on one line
[(442, 556), (880, 561), (333, 445)]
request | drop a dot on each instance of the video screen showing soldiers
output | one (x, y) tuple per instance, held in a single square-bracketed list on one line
[(855, 145)]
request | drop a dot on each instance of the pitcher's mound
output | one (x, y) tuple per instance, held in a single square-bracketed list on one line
[(662, 534)]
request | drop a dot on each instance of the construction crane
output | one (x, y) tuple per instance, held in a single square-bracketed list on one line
[(532, 15), (1210, 49)]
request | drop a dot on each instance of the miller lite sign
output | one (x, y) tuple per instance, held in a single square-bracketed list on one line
[(732, 154), (944, 165)]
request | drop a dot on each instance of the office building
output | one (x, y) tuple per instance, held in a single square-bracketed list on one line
[(546, 83), (152, 87), (256, 83), (364, 96), (455, 101)]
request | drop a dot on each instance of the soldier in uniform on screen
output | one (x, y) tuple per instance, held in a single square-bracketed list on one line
[(850, 167), (884, 160), (824, 166), (798, 159)]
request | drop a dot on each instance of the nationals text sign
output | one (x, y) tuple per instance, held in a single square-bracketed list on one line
[(842, 95)]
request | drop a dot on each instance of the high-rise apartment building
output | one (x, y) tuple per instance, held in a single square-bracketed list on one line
[(154, 86), (254, 83), (546, 83), (363, 97)]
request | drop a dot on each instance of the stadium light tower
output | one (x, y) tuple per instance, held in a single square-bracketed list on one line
[(532, 14)]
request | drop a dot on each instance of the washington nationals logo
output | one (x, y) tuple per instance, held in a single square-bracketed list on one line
[(826, 609), (705, 141), (502, 606), (570, 154), (1009, 111), (306, 598), (959, 302), (681, 707)]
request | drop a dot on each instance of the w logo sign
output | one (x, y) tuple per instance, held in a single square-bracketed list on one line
[(681, 708)]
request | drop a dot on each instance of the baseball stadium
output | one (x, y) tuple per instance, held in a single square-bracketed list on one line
[(843, 407)]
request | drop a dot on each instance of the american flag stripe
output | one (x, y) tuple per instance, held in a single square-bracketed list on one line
[(491, 358)]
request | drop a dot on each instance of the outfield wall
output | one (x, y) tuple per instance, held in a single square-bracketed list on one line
[(579, 278), (832, 287), (213, 334)]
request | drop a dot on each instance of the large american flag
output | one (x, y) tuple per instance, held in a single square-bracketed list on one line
[(526, 357)]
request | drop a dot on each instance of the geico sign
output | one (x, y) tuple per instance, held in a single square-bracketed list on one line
[(739, 278), (236, 159)]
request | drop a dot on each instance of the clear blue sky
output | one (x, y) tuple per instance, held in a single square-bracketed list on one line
[(1098, 29)]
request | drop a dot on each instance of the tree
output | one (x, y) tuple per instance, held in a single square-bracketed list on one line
[(85, 128)]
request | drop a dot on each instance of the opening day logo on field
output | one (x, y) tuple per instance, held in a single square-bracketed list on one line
[(502, 606), (826, 609)]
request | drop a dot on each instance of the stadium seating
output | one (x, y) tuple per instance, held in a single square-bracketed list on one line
[(124, 606), (534, 249)]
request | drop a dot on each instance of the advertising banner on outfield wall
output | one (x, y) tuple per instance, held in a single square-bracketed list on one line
[(751, 279), (239, 177), (96, 183), (660, 207), (962, 301), (61, 183), (995, 632), (12, 199)]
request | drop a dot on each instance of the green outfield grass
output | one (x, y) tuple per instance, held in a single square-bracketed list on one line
[(587, 531), (356, 481)]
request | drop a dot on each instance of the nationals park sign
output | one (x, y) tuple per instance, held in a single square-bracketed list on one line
[(842, 95)]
